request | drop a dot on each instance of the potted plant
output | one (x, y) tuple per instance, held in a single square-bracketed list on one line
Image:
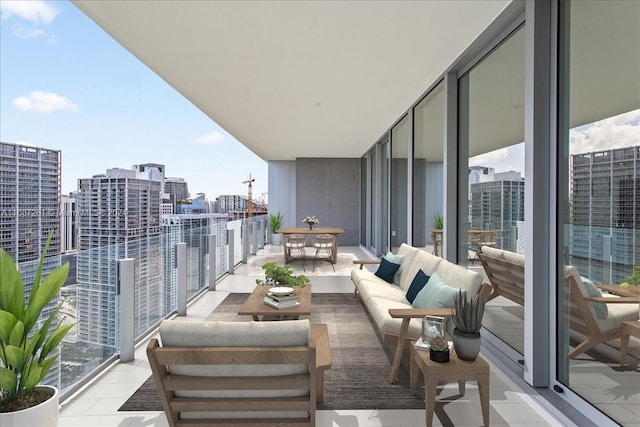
[(633, 280), (439, 221), (439, 349), (275, 223), (25, 347), (467, 319), (276, 275), (310, 221)]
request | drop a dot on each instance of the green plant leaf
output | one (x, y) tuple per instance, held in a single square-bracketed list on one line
[(17, 336), (48, 289), (7, 322), (46, 366), (15, 357), (32, 380), (8, 381), (12, 289), (56, 336)]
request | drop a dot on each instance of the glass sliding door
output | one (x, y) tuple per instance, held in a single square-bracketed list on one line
[(399, 181), (491, 128), (384, 153), (428, 171), (598, 190)]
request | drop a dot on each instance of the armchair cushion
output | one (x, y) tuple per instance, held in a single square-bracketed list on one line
[(436, 294), (419, 281), (593, 291), (386, 270)]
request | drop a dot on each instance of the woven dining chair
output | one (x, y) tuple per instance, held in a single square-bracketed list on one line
[(324, 243), (294, 245)]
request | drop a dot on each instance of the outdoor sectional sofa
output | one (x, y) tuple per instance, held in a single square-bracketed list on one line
[(396, 319)]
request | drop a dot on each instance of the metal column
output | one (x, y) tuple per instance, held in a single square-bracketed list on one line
[(181, 265), (126, 296)]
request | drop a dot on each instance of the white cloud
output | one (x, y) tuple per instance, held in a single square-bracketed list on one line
[(619, 131), (210, 138), (25, 33), (491, 157), (36, 11), (44, 103)]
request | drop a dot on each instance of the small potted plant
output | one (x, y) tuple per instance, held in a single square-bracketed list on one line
[(25, 346), (633, 280), (275, 223), (276, 275), (439, 349), (467, 319), (310, 221)]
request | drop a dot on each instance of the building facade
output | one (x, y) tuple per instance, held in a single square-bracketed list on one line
[(605, 213), (118, 217)]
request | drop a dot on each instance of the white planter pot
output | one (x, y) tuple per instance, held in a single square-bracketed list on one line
[(276, 239), (45, 414)]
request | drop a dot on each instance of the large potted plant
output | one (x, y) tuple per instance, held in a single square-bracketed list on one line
[(467, 319), (277, 275), (25, 347), (275, 223)]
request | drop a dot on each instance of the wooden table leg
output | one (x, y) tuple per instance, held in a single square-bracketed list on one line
[(483, 390), (413, 375), (461, 387), (399, 349), (429, 400)]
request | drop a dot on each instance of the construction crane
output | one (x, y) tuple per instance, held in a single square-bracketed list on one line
[(250, 196)]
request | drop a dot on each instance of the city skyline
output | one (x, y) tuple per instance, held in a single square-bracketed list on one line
[(66, 85)]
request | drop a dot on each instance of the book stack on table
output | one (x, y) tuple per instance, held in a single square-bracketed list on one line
[(281, 301)]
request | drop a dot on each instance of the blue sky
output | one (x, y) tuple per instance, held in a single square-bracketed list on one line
[(66, 85)]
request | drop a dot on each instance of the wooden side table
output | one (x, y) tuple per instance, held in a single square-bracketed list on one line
[(455, 369), (629, 327)]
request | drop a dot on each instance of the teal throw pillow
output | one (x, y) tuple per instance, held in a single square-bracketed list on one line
[(600, 308), (386, 270), (416, 286), (396, 259), (435, 294)]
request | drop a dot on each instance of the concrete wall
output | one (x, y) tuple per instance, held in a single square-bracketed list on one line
[(330, 189)]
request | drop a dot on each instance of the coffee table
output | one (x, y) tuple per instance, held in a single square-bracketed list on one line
[(254, 305)]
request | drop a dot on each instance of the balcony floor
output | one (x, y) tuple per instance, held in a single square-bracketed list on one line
[(511, 403)]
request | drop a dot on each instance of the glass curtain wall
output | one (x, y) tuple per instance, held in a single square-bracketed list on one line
[(363, 202), (384, 153), (491, 128), (599, 203), (428, 171), (399, 180)]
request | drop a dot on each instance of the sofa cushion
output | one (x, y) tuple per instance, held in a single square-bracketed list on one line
[(379, 288), (422, 260), (417, 284), (460, 277), (409, 252), (379, 310), (386, 270), (436, 294), (396, 259)]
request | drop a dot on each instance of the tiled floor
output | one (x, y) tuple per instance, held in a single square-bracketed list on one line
[(97, 404)]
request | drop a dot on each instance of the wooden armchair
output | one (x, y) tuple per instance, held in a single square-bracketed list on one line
[(236, 373), (582, 317), (505, 271)]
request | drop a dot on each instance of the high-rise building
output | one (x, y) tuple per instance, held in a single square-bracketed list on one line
[(30, 211), (176, 188), (605, 213), (498, 205), (118, 217), (196, 204)]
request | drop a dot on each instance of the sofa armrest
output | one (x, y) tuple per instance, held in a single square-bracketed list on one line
[(362, 262), (414, 313)]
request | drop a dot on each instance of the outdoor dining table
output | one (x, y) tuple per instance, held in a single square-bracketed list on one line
[(333, 258)]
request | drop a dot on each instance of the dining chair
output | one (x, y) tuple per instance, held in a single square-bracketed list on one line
[(294, 245), (324, 243)]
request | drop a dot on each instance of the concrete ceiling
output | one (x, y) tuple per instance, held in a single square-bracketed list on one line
[(297, 79)]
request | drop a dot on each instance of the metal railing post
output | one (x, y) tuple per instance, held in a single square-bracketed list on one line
[(181, 265), (213, 270), (125, 290), (254, 234), (232, 250), (245, 243)]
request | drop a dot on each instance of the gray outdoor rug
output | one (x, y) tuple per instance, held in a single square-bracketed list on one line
[(358, 378)]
